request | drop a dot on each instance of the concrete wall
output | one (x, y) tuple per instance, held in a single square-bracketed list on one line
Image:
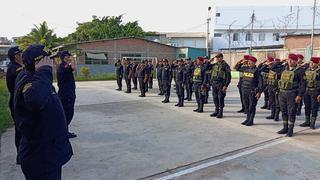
[(96, 68)]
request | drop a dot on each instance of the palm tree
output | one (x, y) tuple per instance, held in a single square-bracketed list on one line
[(39, 35)]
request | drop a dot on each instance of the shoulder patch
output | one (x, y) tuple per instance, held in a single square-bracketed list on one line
[(26, 87), (19, 69)]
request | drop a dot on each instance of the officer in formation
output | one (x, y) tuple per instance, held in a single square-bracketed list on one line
[(142, 73), (119, 74), (14, 68), (275, 69), (252, 87), (292, 85), (207, 74), (312, 95), (67, 86), (242, 110), (159, 78), (220, 80), (151, 69), (127, 73), (189, 74), (180, 82), (40, 118), (134, 76), (199, 83), (264, 72), (166, 78), (304, 66)]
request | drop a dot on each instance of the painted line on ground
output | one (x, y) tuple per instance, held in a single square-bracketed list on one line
[(218, 161)]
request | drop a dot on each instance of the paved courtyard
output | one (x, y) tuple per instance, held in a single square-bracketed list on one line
[(122, 136)]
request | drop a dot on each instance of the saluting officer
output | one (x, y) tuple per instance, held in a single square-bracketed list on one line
[(252, 87), (127, 72), (119, 74), (159, 76), (292, 87), (199, 83), (189, 75), (275, 69), (151, 69), (312, 95), (207, 74), (264, 69), (220, 80), (67, 86), (14, 68), (242, 110), (166, 79), (181, 82), (44, 146), (304, 66)]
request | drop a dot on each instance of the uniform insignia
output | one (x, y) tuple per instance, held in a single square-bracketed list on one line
[(26, 87), (249, 75)]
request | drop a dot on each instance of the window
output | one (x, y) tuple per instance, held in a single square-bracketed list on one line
[(182, 56), (235, 36), (276, 36), (217, 35), (96, 58), (131, 56), (262, 36), (248, 36)]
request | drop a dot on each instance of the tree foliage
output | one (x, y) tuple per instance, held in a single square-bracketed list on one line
[(39, 35), (105, 28)]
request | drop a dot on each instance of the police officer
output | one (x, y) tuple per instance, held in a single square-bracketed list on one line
[(127, 73), (252, 87), (181, 82), (44, 146), (275, 69), (312, 94), (189, 75), (14, 68), (166, 79), (304, 66), (159, 78), (207, 77), (242, 110), (264, 69), (220, 80), (173, 67), (292, 87), (134, 74), (119, 74), (142, 72), (199, 83), (151, 69)]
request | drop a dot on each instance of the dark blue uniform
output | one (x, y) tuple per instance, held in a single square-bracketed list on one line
[(143, 78), (166, 77), (199, 83), (13, 70), (159, 78), (151, 69), (134, 75), (127, 72), (181, 84), (119, 75), (39, 114), (189, 75), (67, 89)]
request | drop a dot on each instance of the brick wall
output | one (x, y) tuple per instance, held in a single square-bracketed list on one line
[(296, 42)]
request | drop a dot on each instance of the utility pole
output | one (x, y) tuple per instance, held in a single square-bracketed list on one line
[(252, 21), (230, 36), (298, 16), (208, 32), (313, 23)]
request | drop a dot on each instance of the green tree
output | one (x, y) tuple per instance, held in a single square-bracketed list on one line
[(39, 35), (105, 28)]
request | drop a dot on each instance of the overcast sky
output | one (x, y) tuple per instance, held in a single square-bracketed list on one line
[(18, 17)]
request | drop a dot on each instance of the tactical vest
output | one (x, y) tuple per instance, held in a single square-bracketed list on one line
[(218, 73), (197, 75), (311, 76), (248, 79), (272, 79), (287, 80)]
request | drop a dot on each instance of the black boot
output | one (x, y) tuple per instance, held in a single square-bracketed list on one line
[(241, 111), (306, 123), (290, 131), (196, 110), (272, 115), (284, 130), (246, 121), (200, 109), (215, 113), (251, 117), (265, 106), (313, 122), (276, 115), (220, 114)]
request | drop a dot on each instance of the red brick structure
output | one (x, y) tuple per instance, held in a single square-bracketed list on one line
[(300, 41), (115, 49)]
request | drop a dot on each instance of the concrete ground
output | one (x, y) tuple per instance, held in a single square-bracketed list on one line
[(122, 136)]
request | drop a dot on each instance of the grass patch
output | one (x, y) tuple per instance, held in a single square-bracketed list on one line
[(5, 117), (97, 77)]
